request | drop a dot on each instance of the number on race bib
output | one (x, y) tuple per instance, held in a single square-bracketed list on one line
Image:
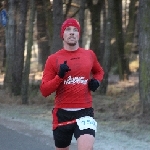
[(87, 122)]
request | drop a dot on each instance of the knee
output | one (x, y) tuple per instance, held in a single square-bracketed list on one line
[(85, 142)]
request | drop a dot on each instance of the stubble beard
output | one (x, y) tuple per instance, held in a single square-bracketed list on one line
[(72, 43)]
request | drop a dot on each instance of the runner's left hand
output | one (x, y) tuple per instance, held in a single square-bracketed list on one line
[(93, 84)]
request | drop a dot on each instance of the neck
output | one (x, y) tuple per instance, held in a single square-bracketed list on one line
[(71, 48)]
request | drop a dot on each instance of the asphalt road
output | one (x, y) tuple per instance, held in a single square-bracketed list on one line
[(15, 135), (13, 140)]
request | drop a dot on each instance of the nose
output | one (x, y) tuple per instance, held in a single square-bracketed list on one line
[(72, 33)]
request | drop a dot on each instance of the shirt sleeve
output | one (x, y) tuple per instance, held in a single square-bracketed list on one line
[(50, 79), (97, 70)]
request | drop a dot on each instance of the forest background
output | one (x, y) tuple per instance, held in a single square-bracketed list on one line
[(118, 31)]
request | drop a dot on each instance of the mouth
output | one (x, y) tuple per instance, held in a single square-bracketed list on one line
[(72, 38)]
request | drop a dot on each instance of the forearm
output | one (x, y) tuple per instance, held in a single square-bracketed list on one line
[(48, 87), (98, 73)]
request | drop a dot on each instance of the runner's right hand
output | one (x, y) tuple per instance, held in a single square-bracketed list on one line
[(63, 69)]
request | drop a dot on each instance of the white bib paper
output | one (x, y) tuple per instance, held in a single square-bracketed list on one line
[(87, 122)]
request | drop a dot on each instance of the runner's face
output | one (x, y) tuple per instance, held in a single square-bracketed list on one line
[(71, 35)]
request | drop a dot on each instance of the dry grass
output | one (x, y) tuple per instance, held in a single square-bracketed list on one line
[(121, 100), (134, 65)]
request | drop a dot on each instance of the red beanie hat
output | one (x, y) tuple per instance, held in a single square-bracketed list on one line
[(69, 22)]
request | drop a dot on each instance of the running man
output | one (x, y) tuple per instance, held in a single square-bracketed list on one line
[(72, 72)]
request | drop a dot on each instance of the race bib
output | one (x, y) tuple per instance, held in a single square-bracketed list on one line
[(87, 122)]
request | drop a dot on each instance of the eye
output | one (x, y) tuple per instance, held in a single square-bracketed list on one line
[(68, 29), (75, 29)]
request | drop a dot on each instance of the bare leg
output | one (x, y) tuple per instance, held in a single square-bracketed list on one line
[(85, 142)]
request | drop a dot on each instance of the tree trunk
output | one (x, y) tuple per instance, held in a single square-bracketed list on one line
[(10, 45), (81, 20), (25, 81), (42, 33), (107, 54), (19, 51), (57, 22), (49, 20), (129, 35), (95, 10), (2, 49), (144, 55), (119, 38)]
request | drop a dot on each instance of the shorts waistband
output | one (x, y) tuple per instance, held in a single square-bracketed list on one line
[(72, 109)]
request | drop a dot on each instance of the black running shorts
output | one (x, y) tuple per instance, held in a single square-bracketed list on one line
[(63, 134)]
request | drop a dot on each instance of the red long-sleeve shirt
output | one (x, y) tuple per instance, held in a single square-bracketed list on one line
[(72, 91)]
